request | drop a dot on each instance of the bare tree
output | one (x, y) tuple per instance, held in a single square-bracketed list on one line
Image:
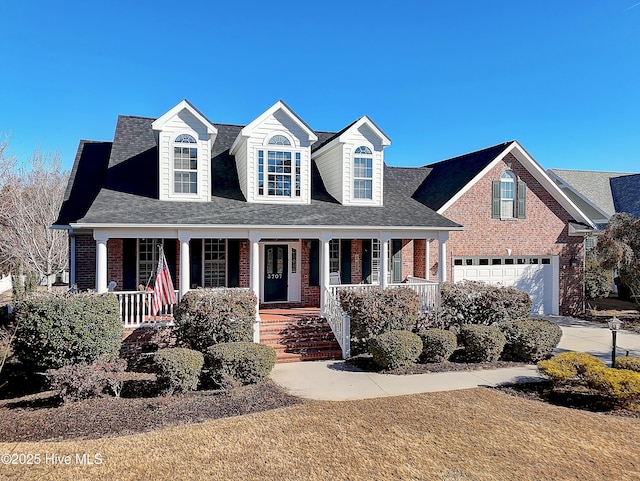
[(30, 199)]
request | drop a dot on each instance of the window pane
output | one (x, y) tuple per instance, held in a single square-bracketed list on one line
[(362, 189)]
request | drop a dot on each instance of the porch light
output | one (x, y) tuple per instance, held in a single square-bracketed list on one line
[(615, 325)]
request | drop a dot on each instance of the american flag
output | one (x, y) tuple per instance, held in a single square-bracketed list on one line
[(163, 292)]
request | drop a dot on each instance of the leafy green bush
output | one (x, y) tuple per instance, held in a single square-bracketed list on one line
[(82, 381), (178, 369), (473, 302), (570, 367), (205, 317), (374, 311), (597, 280), (55, 331), (239, 362), (531, 340), (629, 363), (395, 349), (438, 345), (481, 343)]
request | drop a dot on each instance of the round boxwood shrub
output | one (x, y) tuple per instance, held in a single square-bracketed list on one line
[(178, 369), (481, 343), (628, 363), (239, 362), (438, 345), (205, 317), (55, 331), (395, 349), (531, 340)]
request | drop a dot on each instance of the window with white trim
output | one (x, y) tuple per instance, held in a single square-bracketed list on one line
[(148, 253), (363, 173), (215, 263), (507, 195), (279, 169), (185, 165)]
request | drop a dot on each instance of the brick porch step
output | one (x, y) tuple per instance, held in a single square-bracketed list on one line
[(296, 337)]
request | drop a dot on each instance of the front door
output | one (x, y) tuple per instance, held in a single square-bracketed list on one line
[(276, 272)]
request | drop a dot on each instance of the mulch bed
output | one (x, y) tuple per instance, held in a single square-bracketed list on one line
[(41, 417), (365, 362), (575, 397)]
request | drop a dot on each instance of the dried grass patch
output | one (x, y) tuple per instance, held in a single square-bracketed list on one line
[(476, 434)]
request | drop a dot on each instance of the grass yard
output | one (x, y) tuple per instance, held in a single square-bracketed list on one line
[(477, 434)]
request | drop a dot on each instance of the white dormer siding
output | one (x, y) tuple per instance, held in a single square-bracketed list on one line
[(336, 163), (273, 158), (184, 122)]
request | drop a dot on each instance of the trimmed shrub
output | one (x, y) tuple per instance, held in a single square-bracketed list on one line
[(55, 331), (205, 317), (473, 302), (482, 343), (239, 362), (83, 381), (531, 340), (178, 369), (570, 367), (374, 311), (620, 385), (395, 349), (628, 363), (437, 345)]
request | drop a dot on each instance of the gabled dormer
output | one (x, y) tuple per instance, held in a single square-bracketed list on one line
[(351, 163), (184, 138), (273, 157)]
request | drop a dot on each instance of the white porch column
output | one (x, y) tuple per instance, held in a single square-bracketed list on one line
[(324, 268), (185, 263), (384, 259), (254, 274), (101, 262), (442, 257)]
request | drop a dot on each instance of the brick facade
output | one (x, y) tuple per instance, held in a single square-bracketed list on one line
[(85, 261), (114, 262), (544, 232)]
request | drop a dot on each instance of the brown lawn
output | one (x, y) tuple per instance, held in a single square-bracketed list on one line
[(476, 434)]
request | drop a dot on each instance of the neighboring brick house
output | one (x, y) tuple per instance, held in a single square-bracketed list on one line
[(278, 207)]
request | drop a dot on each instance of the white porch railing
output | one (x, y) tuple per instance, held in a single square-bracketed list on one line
[(338, 320), (135, 309)]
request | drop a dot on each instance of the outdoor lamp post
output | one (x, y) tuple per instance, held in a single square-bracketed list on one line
[(614, 324)]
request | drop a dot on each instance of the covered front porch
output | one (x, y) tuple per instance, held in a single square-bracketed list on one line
[(285, 268)]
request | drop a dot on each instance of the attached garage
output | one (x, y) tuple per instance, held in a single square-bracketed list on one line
[(536, 275)]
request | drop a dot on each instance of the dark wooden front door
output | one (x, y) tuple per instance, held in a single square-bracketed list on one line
[(276, 272)]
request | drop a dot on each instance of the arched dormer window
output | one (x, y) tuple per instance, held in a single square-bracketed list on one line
[(279, 168), (363, 173), (279, 140), (185, 165)]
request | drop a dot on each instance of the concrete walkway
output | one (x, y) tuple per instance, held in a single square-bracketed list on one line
[(340, 381)]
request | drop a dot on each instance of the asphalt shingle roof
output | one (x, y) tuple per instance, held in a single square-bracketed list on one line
[(626, 194), (592, 185), (129, 190), (446, 178)]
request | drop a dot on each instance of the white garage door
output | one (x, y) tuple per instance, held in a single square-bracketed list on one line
[(538, 276)]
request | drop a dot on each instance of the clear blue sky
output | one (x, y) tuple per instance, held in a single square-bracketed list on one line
[(441, 78)]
